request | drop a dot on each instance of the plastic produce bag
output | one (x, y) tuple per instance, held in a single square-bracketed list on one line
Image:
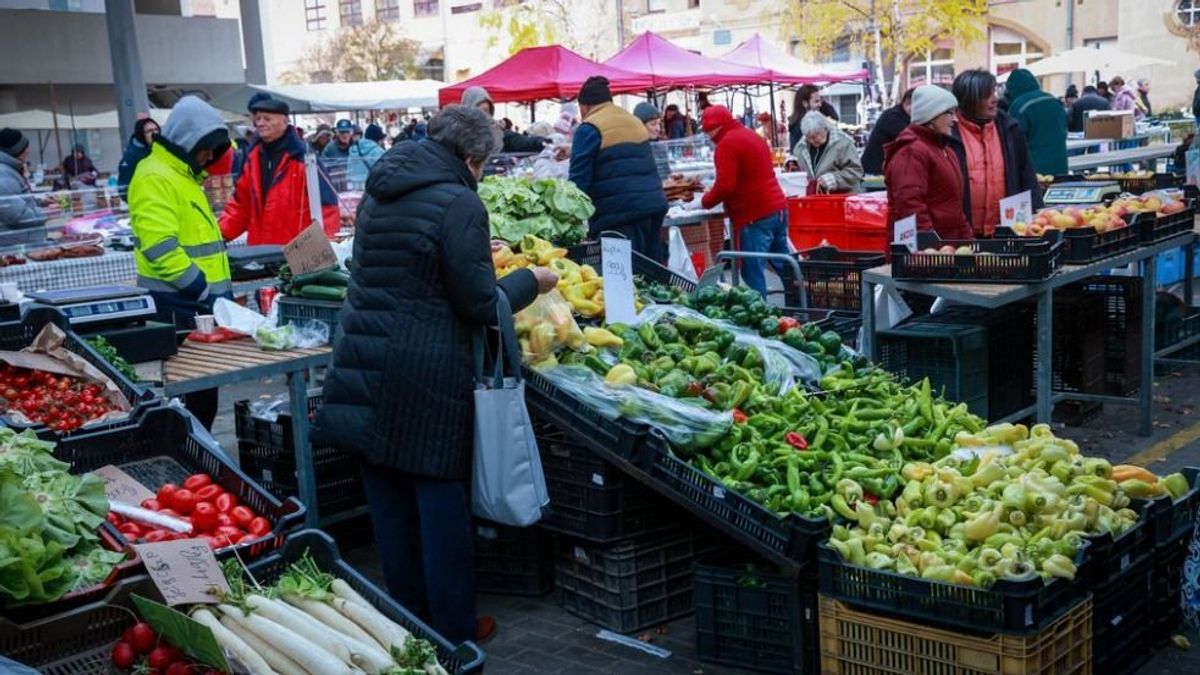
[(545, 326), (301, 334), (680, 259), (237, 318), (686, 426), (890, 308)]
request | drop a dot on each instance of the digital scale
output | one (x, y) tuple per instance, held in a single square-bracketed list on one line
[(1082, 192), (121, 314)]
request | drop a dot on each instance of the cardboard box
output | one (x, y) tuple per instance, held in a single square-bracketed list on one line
[(1109, 124)]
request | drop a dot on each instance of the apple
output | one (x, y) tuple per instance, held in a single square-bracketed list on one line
[(1075, 214), (1037, 230), (1019, 227), (964, 250), (930, 251), (947, 249), (1063, 222)]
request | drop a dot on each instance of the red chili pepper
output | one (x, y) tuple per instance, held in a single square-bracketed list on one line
[(786, 323), (870, 498), (739, 417), (796, 440)]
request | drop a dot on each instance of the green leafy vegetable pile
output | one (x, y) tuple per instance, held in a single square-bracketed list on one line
[(48, 524), (105, 349), (552, 209)]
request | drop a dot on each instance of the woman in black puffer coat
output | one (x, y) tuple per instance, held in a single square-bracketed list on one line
[(399, 393)]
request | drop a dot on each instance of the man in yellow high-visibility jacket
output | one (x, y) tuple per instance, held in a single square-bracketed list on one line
[(179, 252)]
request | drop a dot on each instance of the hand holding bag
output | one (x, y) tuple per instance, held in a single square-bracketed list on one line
[(508, 486)]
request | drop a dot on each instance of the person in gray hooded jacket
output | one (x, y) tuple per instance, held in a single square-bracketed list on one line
[(478, 97), (18, 207)]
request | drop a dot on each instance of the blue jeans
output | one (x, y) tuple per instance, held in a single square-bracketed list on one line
[(423, 530), (765, 235)]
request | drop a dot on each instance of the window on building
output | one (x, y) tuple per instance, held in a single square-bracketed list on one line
[(425, 7), (387, 10), (463, 7), (693, 4), (1010, 50), (656, 5), (933, 67), (351, 12), (314, 15), (1188, 12), (841, 50)]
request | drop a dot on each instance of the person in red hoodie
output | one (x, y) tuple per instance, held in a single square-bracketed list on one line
[(270, 199), (921, 169), (747, 186)]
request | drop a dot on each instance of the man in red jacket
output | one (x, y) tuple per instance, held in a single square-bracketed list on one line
[(746, 184), (270, 200)]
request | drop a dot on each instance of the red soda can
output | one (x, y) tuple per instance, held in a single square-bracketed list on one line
[(266, 298)]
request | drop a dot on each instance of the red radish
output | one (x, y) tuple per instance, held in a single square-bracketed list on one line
[(142, 636), (160, 657), (123, 655)]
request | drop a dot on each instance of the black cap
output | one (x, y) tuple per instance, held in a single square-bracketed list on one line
[(12, 141), (595, 91), (264, 102)]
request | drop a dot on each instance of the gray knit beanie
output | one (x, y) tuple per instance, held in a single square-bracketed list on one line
[(929, 101)]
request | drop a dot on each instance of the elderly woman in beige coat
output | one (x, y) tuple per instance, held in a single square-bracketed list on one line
[(828, 156)]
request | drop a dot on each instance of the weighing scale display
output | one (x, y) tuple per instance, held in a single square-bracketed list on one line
[(1076, 193)]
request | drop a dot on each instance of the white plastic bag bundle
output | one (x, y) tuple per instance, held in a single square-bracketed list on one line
[(680, 259)]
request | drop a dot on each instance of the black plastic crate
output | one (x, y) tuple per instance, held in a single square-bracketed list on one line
[(277, 434), (1121, 622), (1115, 558), (1161, 228), (1078, 363), (1085, 245), (786, 540), (1007, 260), (1170, 519), (846, 325), (512, 560), (1014, 607), (588, 253), (1121, 301), (617, 438), (953, 356), (592, 499), (1166, 589), (300, 309), (17, 335), (755, 618), (833, 278), (629, 585), (458, 659), (160, 448)]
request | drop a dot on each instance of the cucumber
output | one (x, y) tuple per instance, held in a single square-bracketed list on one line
[(334, 277), (316, 292)]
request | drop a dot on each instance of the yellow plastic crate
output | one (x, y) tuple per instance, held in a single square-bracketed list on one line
[(854, 642)]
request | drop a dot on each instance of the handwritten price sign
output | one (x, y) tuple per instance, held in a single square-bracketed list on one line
[(616, 259), (121, 487), (906, 233), (185, 571), (310, 251)]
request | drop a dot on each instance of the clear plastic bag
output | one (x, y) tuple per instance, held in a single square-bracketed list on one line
[(685, 425), (300, 334), (546, 326)]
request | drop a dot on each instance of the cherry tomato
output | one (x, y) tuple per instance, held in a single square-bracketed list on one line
[(160, 657), (242, 515), (155, 536), (123, 655), (196, 481), (226, 502), (152, 504), (170, 512), (183, 501), (165, 492), (142, 636), (114, 518), (209, 493), (224, 519), (259, 526), (131, 531), (204, 517)]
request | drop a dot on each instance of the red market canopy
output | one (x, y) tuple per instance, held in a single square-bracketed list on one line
[(671, 66), (783, 67), (538, 73)]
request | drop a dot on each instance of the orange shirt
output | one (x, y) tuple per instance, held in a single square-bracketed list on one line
[(985, 171)]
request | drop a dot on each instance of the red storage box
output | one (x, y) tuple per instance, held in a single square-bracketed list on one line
[(817, 220), (869, 238), (867, 209)]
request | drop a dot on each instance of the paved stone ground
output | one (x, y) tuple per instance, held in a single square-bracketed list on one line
[(537, 636)]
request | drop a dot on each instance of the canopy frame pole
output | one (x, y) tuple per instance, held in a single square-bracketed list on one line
[(774, 122), (54, 114)]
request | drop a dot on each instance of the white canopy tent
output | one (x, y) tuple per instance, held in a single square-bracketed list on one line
[(1088, 60), (340, 96), (37, 119)]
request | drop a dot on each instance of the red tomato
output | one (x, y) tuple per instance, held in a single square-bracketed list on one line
[(142, 636), (225, 503), (196, 481), (259, 526), (209, 492), (183, 501), (242, 515), (160, 657), (131, 531), (213, 542), (152, 504), (204, 517), (224, 519), (228, 531), (114, 518), (123, 655), (170, 512), (165, 492), (155, 536)]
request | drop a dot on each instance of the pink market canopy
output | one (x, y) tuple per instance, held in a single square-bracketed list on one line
[(670, 66), (783, 67), (539, 73)]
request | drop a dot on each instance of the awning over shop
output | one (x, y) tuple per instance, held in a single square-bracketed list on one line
[(339, 96), (785, 68), (540, 73), (670, 66)]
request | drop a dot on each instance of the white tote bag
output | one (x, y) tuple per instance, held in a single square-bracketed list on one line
[(508, 486)]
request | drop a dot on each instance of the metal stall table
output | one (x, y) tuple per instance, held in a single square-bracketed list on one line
[(199, 366), (1116, 157), (993, 296)]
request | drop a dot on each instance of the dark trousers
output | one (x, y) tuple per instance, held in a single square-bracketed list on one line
[(423, 530), (645, 235)]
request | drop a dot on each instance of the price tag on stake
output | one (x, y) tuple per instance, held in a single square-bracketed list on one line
[(185, 571), (1016, 209), (906, 233), (616, 259), (121, 487)]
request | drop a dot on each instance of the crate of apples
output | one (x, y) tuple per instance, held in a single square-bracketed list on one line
[(214, 514), (1100, 218)]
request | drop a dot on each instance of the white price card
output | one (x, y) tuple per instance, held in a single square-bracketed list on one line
[(616, 259), (1016, 209), (185, 571), (906, 233)]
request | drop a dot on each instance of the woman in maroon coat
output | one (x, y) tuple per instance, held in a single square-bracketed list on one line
[(921, 169)]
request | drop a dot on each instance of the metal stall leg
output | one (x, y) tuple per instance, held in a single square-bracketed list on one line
[(1146, 392), (786, 259), (1045, 346), (305, 471)]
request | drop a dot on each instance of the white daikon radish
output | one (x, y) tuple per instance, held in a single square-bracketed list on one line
[(317, 634), (343, 590), (274, 658), (369, 619), (228, 640), (365, 654), (307, 655), (329, 616)]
